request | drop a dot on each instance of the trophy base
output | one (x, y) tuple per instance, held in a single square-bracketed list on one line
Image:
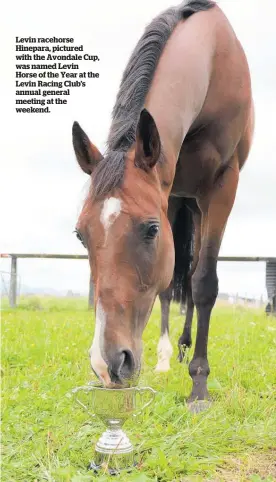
[(103, 468), (113, 452)]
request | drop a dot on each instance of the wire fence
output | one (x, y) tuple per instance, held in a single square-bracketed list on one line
[(11, 281)]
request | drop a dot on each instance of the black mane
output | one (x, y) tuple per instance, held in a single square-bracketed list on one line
[(134, 86)]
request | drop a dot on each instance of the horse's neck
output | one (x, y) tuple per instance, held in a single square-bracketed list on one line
[(181, 81)]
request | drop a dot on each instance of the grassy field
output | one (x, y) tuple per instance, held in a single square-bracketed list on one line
[(48, 438)]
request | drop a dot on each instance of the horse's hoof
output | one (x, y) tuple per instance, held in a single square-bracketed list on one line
[(199, 406)]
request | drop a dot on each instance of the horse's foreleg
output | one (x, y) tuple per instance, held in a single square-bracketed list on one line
[(185, 340), (164, 349), (215, 211)]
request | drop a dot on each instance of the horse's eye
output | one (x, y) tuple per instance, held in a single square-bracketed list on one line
[(152, 231), (79, 236)]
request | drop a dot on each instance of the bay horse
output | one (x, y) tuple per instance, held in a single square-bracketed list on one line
[(161, 195)]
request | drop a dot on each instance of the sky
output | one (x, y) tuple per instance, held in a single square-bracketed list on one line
[(41, 185)]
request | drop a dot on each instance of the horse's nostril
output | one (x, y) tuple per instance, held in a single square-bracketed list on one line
[(128, 365), (122, 365)]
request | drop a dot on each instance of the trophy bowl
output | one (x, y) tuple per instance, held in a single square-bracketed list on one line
[(113, 450)]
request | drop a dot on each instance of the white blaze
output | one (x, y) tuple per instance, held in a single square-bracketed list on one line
[(97, 362), (110, 211), (164, 352)]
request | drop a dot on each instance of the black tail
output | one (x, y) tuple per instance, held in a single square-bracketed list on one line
[(183, 231)]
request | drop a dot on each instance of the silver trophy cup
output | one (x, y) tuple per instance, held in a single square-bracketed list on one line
[(113, 450)]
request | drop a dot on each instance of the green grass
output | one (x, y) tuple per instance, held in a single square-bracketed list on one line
[(48, 438)]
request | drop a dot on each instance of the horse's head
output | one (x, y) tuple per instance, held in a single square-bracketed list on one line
[(124, 226)]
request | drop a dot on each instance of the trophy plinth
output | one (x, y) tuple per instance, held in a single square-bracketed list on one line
[(113, 451)]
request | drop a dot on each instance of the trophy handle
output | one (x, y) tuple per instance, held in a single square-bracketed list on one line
[(83, 389), (141, 391)]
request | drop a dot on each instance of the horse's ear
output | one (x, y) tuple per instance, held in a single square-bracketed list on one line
[(148, 144), (87, 154)]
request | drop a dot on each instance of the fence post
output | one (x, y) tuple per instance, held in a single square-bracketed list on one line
[(91, 293), (270, 276), (13, 282)]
